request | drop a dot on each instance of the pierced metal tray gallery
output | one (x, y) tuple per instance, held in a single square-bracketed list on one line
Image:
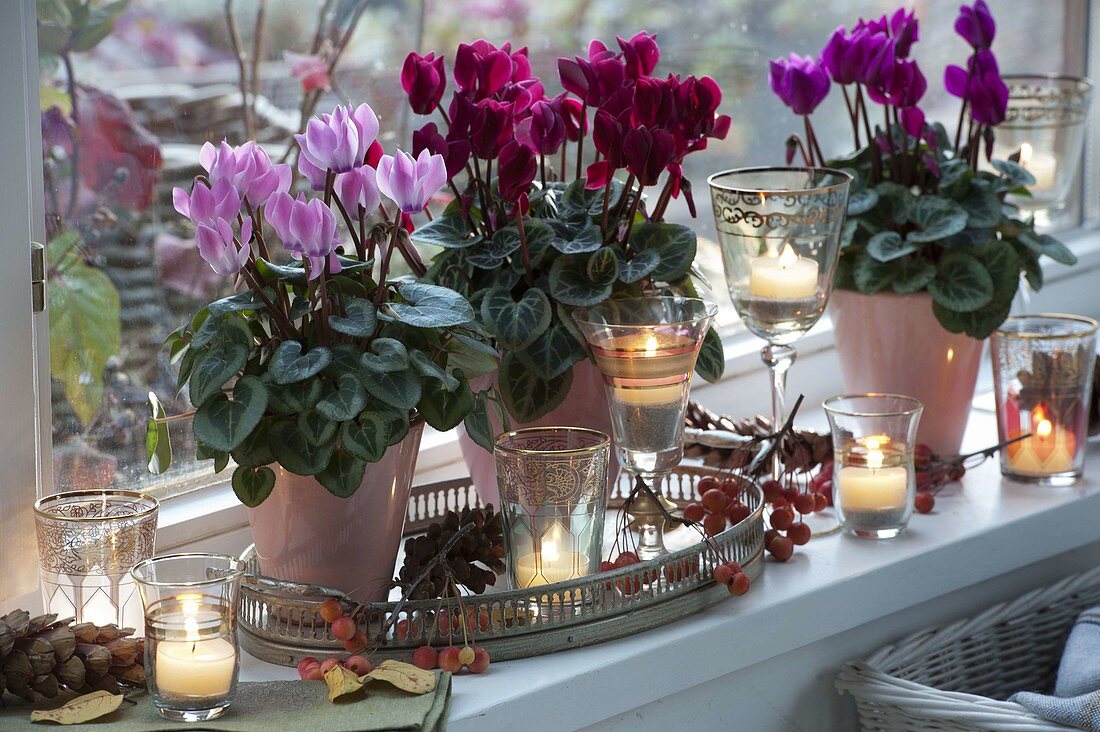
[(279, 621)]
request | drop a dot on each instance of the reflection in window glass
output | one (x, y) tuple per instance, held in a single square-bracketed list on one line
[(130, 90)]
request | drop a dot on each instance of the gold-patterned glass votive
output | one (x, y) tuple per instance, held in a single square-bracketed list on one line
[(1042, 372), (553, 491), (87, 543)]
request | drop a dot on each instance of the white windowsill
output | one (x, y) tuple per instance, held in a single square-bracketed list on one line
[(743, 391)]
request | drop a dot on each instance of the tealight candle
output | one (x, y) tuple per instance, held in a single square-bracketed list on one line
[(874, 487), (1048, 451), (786, 277), (1042, 166), (647, 368), (194, 667), (549, 565)]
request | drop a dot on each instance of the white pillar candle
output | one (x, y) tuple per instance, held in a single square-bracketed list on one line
[(786, 277), (872, 488), (194, 667)]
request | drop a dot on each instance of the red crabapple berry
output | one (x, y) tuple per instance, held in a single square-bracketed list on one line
[(772, 489), (723, 574), (714, 501), (330, 610), (480, 662), (314, 673), (820, 502), (448, 660), (781, 548), (804, 503), (356, 643), (738, 513), (769, 537), (714, 524), (306, 665), (799, 533), (626, 559), (425, 657), (343, 628), (328, 664), (694, 512), (707, 483), (739, 585), (782, 518), (359, 665), (924, 503)]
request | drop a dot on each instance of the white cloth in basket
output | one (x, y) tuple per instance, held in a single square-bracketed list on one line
[(1076, 699)]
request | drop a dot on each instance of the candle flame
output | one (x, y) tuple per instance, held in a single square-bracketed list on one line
[(1044, 428), (787, 257), (874, 451), (1025, 153), (190, 604), (651, 345), (549, 551)]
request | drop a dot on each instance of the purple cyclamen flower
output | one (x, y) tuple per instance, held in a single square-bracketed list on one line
[(800, 82), (881, 62), (411, 183), (357, 190), (904, 28), (518, 167), (640, 54), (845, 56), (456, 153), (904, 85), (205, 205), (219, 248), (975, 24), (981, 87), (424, 80), (912, 120), (337, 141), (543, 129), (247, 168), (307, 230)]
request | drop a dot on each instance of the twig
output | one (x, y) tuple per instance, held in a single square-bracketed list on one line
[(425, 571), (242, 68)]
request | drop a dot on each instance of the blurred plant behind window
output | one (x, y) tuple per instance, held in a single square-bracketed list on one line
[(131, 89)]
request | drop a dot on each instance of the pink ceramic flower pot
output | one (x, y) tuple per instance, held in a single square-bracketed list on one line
[(304, 533), (584, 406), (894, 343)]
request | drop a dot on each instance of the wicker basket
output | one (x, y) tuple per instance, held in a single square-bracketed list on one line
[(958, 676)]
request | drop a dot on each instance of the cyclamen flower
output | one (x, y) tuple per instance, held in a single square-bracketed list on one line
[(975, 24), (904, 85), (845, 56), (311, 70), (455, 153), (411, 183), (482, 69), (424, 79), (206, 205), (640, 54), (218, 246), (357, 190), (490, 127), (517, 170), (307, 230), (696, 101), (904, 28), (337, 141), (247, 168), (647, 152), (981, 87), (800, 82), (543, 129)]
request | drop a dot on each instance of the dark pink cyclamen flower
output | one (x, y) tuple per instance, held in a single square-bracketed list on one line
[(976, 26), (652, 102), (481, 69), (904, 87), (874, 26), (981, 87), (800, 82), (905, 30), (206, 205), (608, 134), (521, 95), (517, 170), (490, 127), (912, 120), (424, 79), (410, 183), (845, 56), (218, 246), (696, 102), (455, 153), (521, 64), (338, 141), (310, 70), (647, 152), (307, 230), (640, 54), (543, 129), (247, 168), (357, 190), (592, 80), (572, 113)]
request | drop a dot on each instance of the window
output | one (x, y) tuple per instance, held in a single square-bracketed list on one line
[(130, 90)]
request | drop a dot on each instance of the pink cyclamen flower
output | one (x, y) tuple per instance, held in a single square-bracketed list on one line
[(424, 79), (411, 183), (205, 205), (357, 190), (544, 128), (247, 168), (800, 81), (981, 86), (976, 26), (518, 167), (640, 53), (218, 246), (337, 141), (307, 230), (311, 70)]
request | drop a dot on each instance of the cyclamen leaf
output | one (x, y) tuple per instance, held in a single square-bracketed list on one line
[(224, 424), (443, 409), (252, 486), (345, 400), (399, 389), (295, 398), (674, 243), (962, 283), (569, 283), (214, 367), (640, 265), (388, 355), (430, 306), (526, 395), (361, 319), (1048, 245), (449, 232), (158, 442), (82, 709), (469, 356), (870, 275), (343, 475), (430, 369), (712, 358), (477, 423), (938, 219), (552, 353), (294, 452), (316, 428), (589, 239), (603, 267), (861, 202), (886, 246), (289, 365), (516, 324), (367, 437), (912, 275)]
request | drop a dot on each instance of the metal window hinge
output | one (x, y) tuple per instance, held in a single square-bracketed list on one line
[(38, 277)]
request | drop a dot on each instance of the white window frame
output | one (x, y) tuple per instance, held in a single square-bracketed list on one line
[(212, 511)]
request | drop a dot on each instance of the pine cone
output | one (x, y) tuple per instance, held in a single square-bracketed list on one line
[(801, 451), (474, 561)]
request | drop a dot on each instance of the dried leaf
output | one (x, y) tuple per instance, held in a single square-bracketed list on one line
[(404, 676), (341, 682), (81, 709)]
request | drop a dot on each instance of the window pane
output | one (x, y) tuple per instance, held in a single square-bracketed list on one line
[(128, 108)]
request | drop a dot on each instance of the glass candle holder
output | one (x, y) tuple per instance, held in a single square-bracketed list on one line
[(87, 543), (1044, 131), (874, 482), (553, 494), (191, 658), (1042, 372), (646, 349)]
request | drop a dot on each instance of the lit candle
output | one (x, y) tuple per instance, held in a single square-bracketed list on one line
[(1042, 166), (1048, 451), (194, 668), (786, 277), (549, 566), (648, 367), (872, 488)]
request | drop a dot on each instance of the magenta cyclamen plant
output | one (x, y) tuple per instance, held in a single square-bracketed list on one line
[(559, 200), (927, 208), (321, 364)]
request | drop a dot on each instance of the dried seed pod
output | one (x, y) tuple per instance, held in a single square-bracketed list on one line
[(63, 641), (97, 659), (71, 673), (39, 652), (107, 683), (107, 633), (7, 639), (46, 685), (86, 632), (18, 621), (124, 651), (133, 675)]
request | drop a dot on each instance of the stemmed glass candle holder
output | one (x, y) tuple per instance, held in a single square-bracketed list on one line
[(1044, 131), (87, 543), (874, 483), (1042, 372), (646, 348), (553, 490), (779, 231), (191, 658)]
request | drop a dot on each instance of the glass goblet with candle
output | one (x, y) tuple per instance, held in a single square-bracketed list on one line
[(191, 658), (874, 481), (646, 349), (779, 230)]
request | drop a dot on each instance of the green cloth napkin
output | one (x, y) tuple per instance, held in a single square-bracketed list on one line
[(277, 706)]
